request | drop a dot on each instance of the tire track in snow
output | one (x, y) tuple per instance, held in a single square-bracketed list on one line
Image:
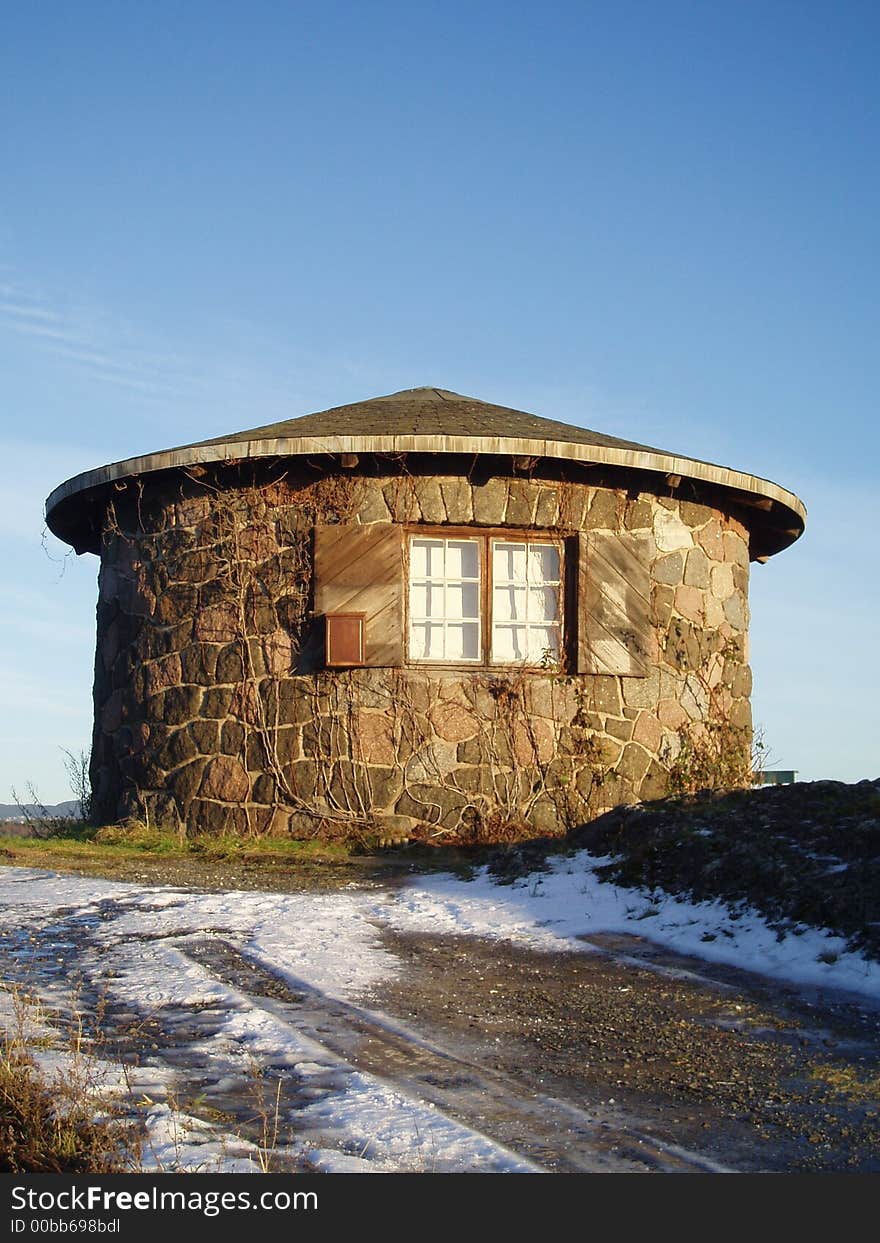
[(556, 1135)]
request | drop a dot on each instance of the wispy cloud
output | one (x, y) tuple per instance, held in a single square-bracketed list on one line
[(93, 340)]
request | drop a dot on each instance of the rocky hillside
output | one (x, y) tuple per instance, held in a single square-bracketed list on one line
[(807, 853)]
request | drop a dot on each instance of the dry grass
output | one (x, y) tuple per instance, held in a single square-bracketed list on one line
[(56, 1124)]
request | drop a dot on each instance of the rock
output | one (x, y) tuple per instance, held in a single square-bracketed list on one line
[(670, 532), (225, 780)]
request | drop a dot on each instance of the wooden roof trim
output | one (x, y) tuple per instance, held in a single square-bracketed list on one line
[(303, 446)]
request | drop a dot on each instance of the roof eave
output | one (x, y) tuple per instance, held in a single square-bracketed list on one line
[(60, 512)]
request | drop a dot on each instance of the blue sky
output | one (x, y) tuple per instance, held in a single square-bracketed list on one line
[(656, 220)]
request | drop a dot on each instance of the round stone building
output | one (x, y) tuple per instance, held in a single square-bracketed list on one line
[(421, 615)]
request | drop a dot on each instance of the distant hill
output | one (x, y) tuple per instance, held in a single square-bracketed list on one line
[(12, 811)]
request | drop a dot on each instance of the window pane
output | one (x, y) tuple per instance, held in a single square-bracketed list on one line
[(509, 562), (543, 643), (510, 604), (426, 600), (543, 604), (462, 641), (543, 563), (426, 558), (418, 640), (508, 643), (462, 559), (462, 600)]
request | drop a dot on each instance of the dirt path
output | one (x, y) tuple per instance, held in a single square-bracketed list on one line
[(746, 1073), (554, 1133)]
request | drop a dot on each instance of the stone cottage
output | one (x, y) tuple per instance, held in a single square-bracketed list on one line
[(422, 611)]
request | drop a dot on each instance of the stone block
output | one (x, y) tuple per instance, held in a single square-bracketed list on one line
[(662, 599), (671, 714), (655, 783), (547, 508), (177, 602), (216, 623), (669, 569), (639, 515), (696, 570), (386, 786), (544, 817), (374, 738), (633, 764), (205, 735), (178, 749), (453, 721), (426, 805), (736, 549), (265, 789), (198, 663), (179, 704), (714, 613), (277, 653), (541, 699), (742, 682), (722, 581), (371, 506), (534, 742), (641, 692), (400, 498), (191, 510), (286, 744), (689, 602), (470, 752), (256, 757), (695, 515), (604, 511), (522, 498), (230, 667), (457, 501), (711, 539), (574, 502), (184, 782), (113, 712), (603, 752), (694, 699), (302, 777), (473, 779), (741, 715), (430, 500), (225, 780), (621, 729), (736, 611), (648, 731), (490, 502), (605, 694), (670, 533), (216, 702)]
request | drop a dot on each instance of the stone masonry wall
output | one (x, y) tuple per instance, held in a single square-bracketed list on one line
[(212, 711)]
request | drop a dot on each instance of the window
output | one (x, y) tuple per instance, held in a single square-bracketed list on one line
[(526, 586), (485, 600), (444, 599)]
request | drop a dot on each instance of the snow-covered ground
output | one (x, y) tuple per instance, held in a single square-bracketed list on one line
[(134, 947)]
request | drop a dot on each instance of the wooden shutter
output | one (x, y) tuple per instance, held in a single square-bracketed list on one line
[(614, 617), (359, 569)]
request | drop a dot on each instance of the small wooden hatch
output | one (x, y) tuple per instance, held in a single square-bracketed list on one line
[(345, 644)]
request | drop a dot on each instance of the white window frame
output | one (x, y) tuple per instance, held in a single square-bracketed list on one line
[(485, 541), (445, 581), (527, 585)]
